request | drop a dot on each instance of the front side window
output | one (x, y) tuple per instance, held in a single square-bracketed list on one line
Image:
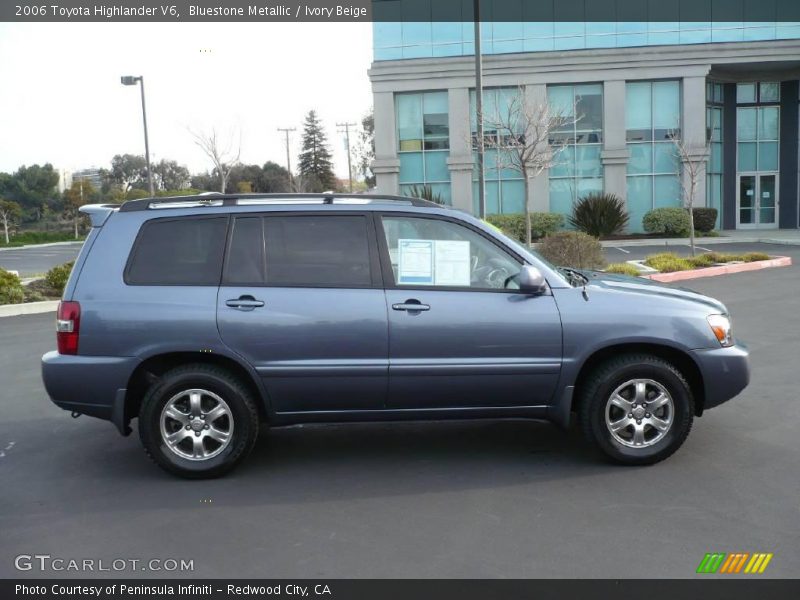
[(297, 251), (437, 253), (178, 252)]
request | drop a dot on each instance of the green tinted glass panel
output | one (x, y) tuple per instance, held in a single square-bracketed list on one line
[(746, 127), (640, 200), (561, 195), (641, 160), (436, 166), (665, 158), (666, 191), (745, 92), (768, 156), (411, 169), (747, 156), (512, 196), (768, 123)]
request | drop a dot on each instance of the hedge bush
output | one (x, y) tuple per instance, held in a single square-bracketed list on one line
[(542, 224), (667, 262), (622, 269), (573, 249), (672, 221), (705, 219), (11, 290), (599, 215), (57, 276)]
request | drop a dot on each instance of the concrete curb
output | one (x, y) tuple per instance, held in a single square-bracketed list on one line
[(778, 261), (42, 245), (28, 308)]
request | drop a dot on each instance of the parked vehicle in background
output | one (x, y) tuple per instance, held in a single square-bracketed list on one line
[(206, 317)]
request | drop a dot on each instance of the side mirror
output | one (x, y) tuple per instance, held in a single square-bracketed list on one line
[(532, 281)]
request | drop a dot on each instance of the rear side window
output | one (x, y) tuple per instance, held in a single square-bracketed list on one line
[(307, 250), (178, 252)]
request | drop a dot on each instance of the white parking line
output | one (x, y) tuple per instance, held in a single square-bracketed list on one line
[(703, 249), (622, 250)]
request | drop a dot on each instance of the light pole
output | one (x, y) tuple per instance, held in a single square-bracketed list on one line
[(479, 110), (131, 80)]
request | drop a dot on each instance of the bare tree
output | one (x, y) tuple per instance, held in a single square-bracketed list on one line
[(223, 153), (523, 134), (695, 162), (10, 212)]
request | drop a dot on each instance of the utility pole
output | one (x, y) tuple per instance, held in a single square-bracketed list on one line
[(286, 131), (347, 127), (479, 111)]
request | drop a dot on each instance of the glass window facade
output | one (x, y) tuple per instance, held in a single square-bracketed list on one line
[(423, 136), (652, 118), (579, 168), (714, 132), (757, 126), (407, 29)]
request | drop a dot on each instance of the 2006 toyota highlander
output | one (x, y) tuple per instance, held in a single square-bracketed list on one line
[(208, 316)]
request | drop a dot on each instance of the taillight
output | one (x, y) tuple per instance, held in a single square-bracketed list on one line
[(68, 325)]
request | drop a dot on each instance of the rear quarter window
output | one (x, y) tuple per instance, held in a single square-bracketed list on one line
[(186, 251)]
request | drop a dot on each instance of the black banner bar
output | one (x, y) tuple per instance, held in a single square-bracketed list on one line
[(730, 588), (399, 10)]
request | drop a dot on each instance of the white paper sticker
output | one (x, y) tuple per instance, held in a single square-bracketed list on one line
[(765, 194), (749, 192), (415, 264), (452, 263)]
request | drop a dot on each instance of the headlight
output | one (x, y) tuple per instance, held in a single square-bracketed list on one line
[(721, 326)]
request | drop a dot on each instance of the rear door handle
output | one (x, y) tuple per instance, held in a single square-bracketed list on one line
[(411, 306), (244, 303)]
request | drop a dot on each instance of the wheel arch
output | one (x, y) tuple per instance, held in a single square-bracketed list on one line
[(153, 367), (682, 361)]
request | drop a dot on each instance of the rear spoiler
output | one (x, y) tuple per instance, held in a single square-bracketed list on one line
[(98, 213)]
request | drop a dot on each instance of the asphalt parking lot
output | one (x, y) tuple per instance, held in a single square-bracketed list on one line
[(476, 499), (617, 254), (35, 260)]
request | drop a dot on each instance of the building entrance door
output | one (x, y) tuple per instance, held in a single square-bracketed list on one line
[(757, 201)]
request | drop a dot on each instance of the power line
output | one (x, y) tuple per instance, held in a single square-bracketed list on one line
[(347, 127)]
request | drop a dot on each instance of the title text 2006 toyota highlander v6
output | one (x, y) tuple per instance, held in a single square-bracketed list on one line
[(206, 316)]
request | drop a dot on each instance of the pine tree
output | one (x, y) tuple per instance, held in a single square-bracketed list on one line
[(316, 162)]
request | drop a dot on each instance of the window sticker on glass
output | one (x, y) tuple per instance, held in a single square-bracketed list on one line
[(415, 264), (452, 263)]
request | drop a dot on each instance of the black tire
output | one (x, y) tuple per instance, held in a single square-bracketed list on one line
[(596, 393), (218, 381)]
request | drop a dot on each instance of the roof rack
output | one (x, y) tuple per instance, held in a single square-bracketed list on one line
[(219, 199)]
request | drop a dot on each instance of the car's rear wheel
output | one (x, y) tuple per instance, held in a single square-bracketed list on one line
[(198, 421), (638, 409)]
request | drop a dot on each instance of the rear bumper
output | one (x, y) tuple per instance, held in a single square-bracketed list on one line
[(726, 372), (89, 385)]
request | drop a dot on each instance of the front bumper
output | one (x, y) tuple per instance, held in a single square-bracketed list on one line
[(89, 385), (725, 371)]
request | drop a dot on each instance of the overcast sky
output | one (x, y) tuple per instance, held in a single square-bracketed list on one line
[(61, 100)]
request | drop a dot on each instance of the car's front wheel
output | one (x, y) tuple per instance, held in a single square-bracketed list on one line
[(638, 409), (198, 421)]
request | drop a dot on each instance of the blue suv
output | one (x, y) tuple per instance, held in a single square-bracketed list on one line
[(206, 317)]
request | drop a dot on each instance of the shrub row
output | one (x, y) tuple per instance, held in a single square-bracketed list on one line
[(542, 224), (667, 262)]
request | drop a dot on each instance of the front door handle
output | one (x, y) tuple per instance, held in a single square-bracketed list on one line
[(411, 306), (244, 303)]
